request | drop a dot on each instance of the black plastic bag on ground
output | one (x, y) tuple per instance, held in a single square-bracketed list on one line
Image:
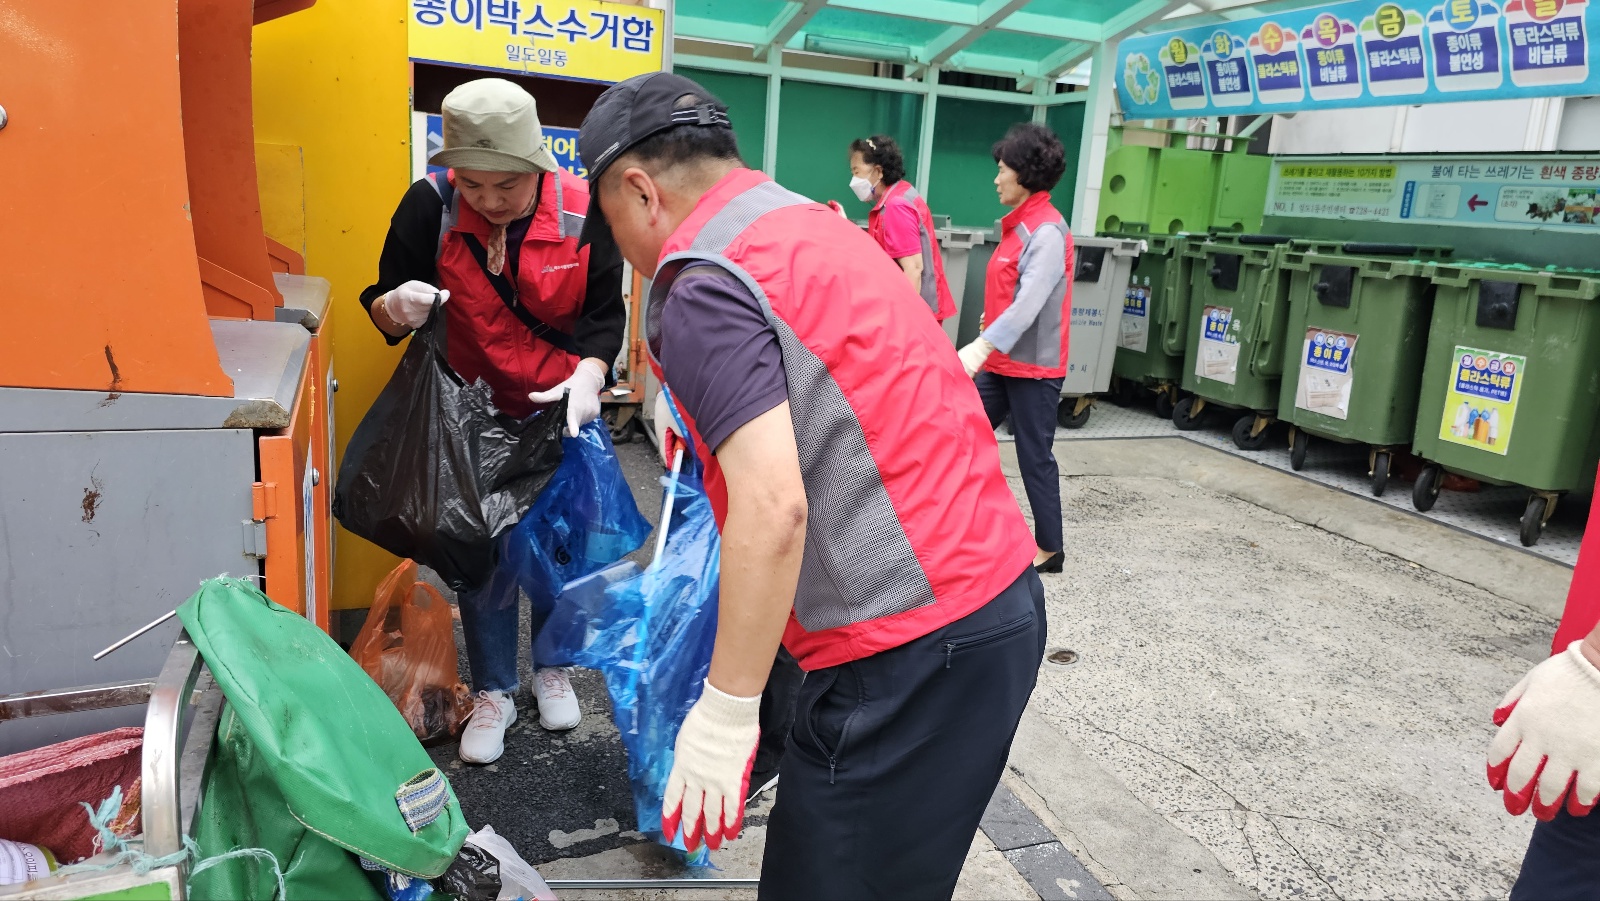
[(436, 473)]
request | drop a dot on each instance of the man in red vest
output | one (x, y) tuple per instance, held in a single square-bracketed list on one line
[(1547, 753), (865, 518)]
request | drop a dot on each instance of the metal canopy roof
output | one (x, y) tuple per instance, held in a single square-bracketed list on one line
[(1025, 39)]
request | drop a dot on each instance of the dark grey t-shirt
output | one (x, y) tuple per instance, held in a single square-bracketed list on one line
[(720, 355)]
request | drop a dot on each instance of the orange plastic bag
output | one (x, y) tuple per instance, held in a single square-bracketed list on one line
[(408, 647)]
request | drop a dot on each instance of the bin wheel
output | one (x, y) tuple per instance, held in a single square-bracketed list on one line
[(1164, 403), (1242, 436), (1380, 473), (1069, 417), (621, 427), (1124, 392), (1426, 491), (1298, 442), (1183, 417), (1533, 519)]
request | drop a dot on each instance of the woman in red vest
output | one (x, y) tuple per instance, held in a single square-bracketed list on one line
[(900, 221), (1020, 359), (495, 240)]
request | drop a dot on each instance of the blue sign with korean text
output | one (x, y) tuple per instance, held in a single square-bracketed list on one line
[(1217, 320), (1363, 53), (1490, 378), (562, 143), (1330, 351)]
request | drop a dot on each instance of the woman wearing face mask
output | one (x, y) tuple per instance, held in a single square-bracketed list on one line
[(900, 220), (1020, 359)]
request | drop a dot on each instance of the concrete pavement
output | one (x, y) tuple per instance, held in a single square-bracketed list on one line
[(1281, 691)]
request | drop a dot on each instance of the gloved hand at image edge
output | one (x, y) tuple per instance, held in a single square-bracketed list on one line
[(585, 385), (974, 355), (711, 764), (1547, 752), (412, 303)]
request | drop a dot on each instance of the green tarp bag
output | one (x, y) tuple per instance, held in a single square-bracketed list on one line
[(311, 762)]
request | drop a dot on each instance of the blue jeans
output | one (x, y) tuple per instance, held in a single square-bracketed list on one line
[(490, 617)]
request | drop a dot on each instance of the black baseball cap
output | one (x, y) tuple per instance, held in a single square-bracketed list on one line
[(628, 113)]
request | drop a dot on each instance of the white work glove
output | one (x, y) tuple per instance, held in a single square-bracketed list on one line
[(585, 385), (974, 355), (711, 769), (667, 440), (412, 303), (1548, 748)]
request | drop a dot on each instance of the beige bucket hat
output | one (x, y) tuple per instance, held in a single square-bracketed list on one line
[(493, 125)]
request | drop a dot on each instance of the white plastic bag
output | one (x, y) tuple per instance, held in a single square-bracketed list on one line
[(518, 880)]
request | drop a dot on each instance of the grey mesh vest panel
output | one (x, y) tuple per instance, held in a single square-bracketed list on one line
[(859, 564), (930, 282), (1040, 344)]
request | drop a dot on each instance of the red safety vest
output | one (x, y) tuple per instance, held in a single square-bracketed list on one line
[(1583, 598), (486, 339), (1041, 353), (912, 525), (935, 290)]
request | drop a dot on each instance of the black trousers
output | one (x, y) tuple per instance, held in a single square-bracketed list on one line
[(777, 712), (1563, 860), (894, 757), (1032, 405)]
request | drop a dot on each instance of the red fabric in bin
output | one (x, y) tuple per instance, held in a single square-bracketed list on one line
[(41, 790)]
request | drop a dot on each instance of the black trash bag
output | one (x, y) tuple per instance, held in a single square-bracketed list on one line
[(473, 876), (436, 473)]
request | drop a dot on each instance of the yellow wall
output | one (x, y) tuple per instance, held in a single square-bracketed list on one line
[(334, 82)]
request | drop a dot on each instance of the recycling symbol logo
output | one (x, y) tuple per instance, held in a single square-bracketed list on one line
[(1144, 86)]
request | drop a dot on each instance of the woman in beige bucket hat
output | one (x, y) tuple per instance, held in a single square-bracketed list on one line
[(495, 241)]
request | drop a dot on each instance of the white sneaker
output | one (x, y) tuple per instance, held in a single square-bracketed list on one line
[(484, 738), (558, 703)]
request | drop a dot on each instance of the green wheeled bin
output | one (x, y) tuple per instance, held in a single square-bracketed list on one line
[(1377, 296), (1511, 384), (1149, 353), (1234, 356)]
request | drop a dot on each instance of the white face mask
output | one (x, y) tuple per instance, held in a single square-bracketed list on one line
[(862, 188)]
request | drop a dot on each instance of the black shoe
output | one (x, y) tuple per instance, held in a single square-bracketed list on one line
[(1053, 563), (760, 781)]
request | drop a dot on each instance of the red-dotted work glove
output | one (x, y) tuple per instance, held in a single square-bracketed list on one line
[(1548, 749), (711, 769)]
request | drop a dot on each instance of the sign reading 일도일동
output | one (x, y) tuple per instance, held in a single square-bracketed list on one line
[(1545, 191), (582, 39), (1363, 53)]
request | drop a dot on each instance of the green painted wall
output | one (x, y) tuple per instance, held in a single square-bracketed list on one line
[(1067, 122), (746, 97), (818, 123), (961, 180)]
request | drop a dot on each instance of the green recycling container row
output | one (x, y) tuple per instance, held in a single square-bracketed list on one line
[(1377, 296), (1511, 384), (1238, 324)]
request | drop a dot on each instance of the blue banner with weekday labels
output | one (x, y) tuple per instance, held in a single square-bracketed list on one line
[(1363, 53)]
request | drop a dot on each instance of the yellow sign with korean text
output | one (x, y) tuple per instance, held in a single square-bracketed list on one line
[(590, 40), (1481, 405)]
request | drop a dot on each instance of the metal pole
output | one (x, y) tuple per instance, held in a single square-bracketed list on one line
[(769, 147), (1096, 134), (120, 642), (680, 883), (930, 112)]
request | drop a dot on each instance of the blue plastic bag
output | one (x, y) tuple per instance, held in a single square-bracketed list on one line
[(584, 520), (650, 633)]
